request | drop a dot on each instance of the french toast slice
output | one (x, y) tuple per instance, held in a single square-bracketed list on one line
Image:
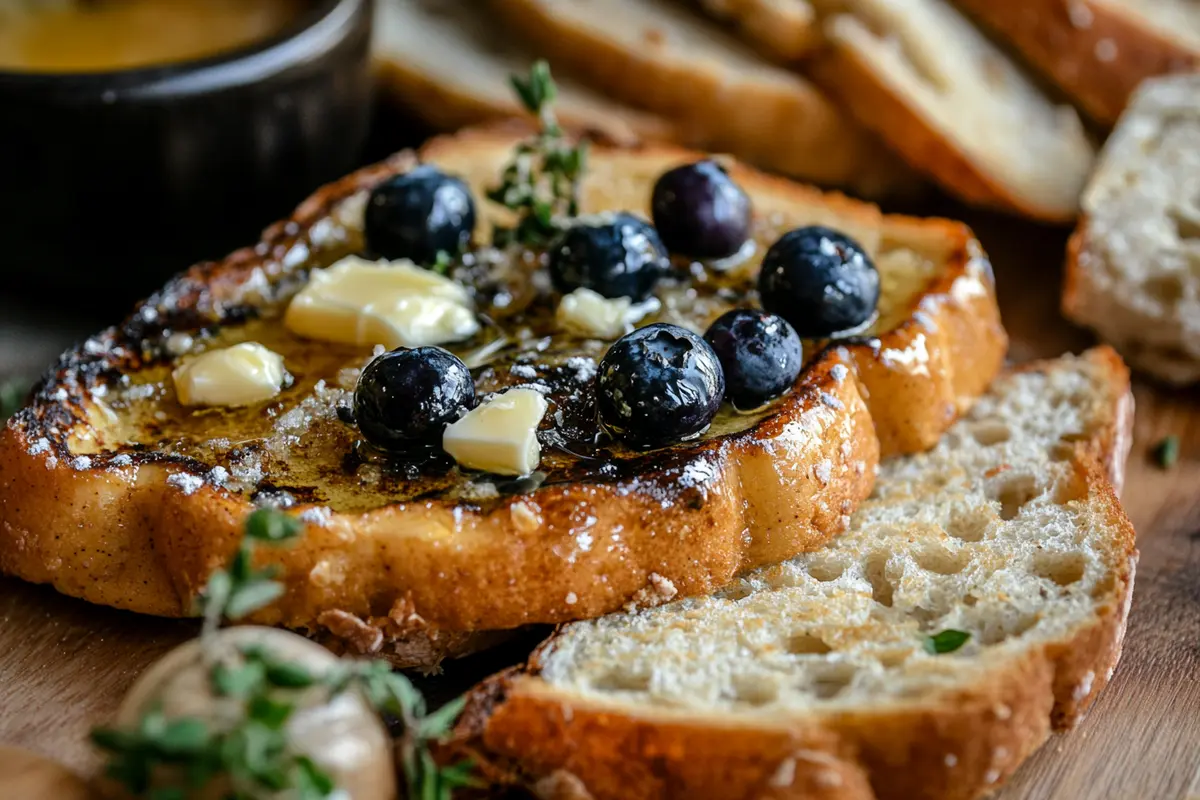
[(112, 492), (978, 602)]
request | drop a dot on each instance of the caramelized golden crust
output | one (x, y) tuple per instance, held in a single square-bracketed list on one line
[(415, 575)]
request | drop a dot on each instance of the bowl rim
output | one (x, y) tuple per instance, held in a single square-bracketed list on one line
[(322, 25)]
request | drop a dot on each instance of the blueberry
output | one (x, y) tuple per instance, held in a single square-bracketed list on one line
[(418, 214), (700, 212), (819, 280), (760, 353), (406, 398), (615, 256), (658, 385)]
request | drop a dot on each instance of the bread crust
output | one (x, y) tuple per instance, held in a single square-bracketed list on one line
[(788, 127), (954, 745), (1096, 52), (852, 79), (416, 582)]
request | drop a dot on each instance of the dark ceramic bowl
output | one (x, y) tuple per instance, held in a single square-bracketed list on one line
[(110, 182)]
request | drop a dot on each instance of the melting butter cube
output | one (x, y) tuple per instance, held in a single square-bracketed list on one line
[(589, 313), (499, 436), (241, 375), (397, 305)]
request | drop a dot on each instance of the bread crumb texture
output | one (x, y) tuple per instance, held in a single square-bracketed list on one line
[(989, 533)]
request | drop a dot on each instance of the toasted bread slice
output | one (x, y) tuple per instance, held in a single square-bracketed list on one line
[(787, 30), (919, 74), (449, 63), (817, 678), (662, 57), (110, 491), (1132, 264), (1097, 51)]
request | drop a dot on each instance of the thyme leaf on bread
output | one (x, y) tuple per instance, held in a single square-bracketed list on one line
[(946, 641), (1166, 452), (251, 751), (541, 183)]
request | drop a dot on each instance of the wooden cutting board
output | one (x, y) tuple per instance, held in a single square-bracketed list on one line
[(64, 664)]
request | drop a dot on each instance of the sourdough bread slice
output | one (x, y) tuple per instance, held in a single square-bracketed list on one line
[(919, 74), (1133, 265), (786, 30), (449, 63), (112, 492), (1097, 51), (660, 56), (816, 678)]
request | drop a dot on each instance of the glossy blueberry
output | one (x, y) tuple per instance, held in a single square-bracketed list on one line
[(418, 214), (406, 398), (700, 212), (760, 353), (614, 255), (820, 281), (659, 385)]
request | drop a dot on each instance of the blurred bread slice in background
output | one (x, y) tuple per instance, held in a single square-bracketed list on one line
[(785, 30), (1133, 265), (449, 62), (954, 105), (1097, 51), (665, 58)]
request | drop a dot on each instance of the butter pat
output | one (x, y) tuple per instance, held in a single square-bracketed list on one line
[(588, 313), (397, 305), (499, 436), (241, 375)]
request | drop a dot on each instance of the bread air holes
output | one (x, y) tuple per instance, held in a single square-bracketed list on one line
[(1186, 219), (1013, 492), (754, 690), (1167, 290), (806, 644), (1063, 569), (825, 569), (989, 434), (622, 680), (876, 568), (829, 680), (969, 525), (940, 560)]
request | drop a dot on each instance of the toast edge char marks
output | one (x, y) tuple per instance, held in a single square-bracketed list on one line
[(121, 531), (570, 748)]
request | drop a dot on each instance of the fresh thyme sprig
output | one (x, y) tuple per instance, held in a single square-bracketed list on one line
[(252, 753), (393, 694), (541, 183), (240, 589)]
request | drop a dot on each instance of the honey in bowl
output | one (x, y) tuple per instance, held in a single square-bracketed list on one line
[(105, 35)]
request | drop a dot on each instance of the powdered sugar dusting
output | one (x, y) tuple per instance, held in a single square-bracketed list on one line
[(188, 484)]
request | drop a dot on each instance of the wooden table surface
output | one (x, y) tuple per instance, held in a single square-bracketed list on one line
[(65, 664)]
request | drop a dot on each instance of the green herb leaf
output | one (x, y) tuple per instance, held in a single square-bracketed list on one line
[(271, 525), (239, 681), (1166, 452), (251, 597), (269, 711), (442, 262), (184, 737), (541, 183), (946, 641), (438, 724)]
